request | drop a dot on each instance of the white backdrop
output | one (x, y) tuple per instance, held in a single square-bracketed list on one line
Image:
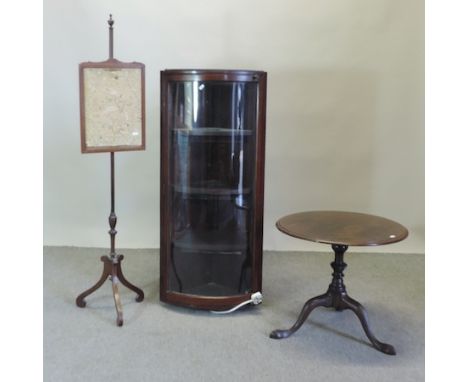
[(345, 108)]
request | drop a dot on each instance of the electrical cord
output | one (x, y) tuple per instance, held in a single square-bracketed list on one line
[(255, 299)]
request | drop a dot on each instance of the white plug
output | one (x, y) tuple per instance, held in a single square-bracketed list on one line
[(255, 299)]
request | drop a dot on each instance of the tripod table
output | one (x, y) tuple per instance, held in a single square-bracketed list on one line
[(340, 230)]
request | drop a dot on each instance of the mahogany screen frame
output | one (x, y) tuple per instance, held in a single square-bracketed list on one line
[(111, 64)]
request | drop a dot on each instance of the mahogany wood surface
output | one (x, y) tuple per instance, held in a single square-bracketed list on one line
[(338, 227)]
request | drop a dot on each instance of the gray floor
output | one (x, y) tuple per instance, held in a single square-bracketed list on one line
[(160, 342)]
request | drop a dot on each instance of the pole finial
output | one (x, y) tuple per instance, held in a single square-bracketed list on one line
[(111, 37), (110, 21)]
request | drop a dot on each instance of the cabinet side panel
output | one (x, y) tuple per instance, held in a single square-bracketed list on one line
[(164, 191), (259, 185)]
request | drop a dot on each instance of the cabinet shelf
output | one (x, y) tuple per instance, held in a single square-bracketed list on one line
[(209, 191), (211, 131), (227, 242), (212, 289)]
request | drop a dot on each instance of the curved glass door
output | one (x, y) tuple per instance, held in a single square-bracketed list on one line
[(212, 153)]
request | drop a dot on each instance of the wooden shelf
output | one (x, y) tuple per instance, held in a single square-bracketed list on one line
[(212, 131), (212, 289), (233, 242), (210, 191)]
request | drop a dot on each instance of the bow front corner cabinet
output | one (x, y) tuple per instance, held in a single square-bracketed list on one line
[(212, 174)]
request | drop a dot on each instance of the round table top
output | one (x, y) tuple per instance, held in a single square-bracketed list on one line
[(345, 228)]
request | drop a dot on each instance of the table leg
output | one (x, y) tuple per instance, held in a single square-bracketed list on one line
[(322, 300), (359, 310)]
